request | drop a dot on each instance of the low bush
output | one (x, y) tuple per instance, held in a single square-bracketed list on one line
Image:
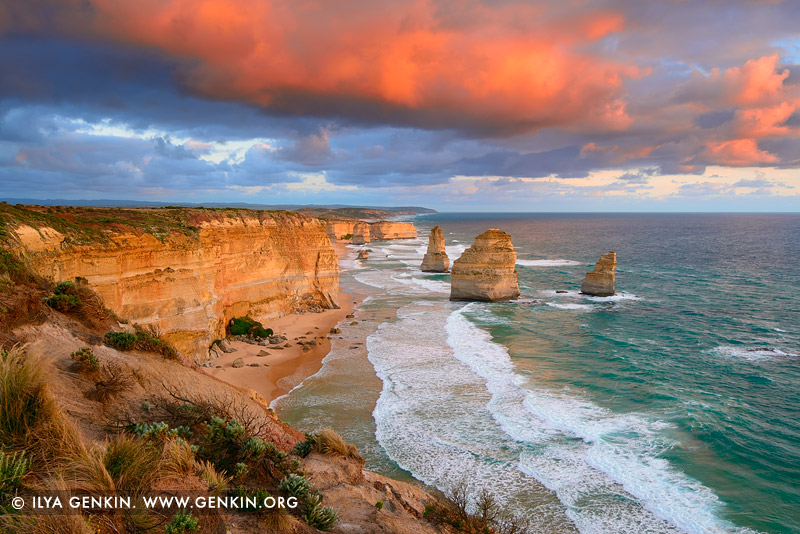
[(245, 326), (318, 516), (63, 303), (111, 381), (85, 359), (296, 486), (120, 340), (181, 523), (151, 339), (345, 237)]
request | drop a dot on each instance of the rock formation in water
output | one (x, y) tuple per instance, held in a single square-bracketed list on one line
[(363, 254), (436, 260), (600, 282), (361, 234), (191, 283), (485, 271), (392, 230)]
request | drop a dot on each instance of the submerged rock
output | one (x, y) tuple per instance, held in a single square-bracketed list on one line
[(600, 282), (361, 234), (485, 271), (436, 260)]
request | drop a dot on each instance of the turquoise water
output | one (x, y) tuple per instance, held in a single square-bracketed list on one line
[(672, 407)]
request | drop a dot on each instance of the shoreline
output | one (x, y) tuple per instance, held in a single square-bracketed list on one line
[(277, 373)]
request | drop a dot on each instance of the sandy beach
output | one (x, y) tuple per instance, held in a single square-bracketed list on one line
[(279, 371)]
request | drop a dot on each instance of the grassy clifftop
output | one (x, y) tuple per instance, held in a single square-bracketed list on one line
[(84, 225)]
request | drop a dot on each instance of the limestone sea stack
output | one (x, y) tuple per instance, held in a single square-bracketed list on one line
[(436, 260), (485, 271), (361, 234), (363, 254), (600, 282)]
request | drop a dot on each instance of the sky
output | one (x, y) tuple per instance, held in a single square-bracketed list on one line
[(456, 105)]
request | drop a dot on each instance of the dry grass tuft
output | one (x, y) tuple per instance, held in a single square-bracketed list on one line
[(178, 458), (29, 416), (328, 441), (134, 464), (217, 482)]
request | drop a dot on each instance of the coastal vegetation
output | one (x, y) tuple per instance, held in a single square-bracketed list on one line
[(246, 326)]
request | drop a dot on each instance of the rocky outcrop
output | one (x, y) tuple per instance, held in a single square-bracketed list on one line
[(382, 230), (600, 282), (190, 284), (485, 271), (436, 260), (338, 230), (361, 234), (363, 254)]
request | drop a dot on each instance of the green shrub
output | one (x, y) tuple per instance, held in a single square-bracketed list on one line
[(120, 340), (64, 288), (245, 326), (181, 523), (296, 486), (159, 431), (318, 516), (150, 340), (63, 303), (86, 359), (379, 505), (346, 237), (13, 468), (303, 448)]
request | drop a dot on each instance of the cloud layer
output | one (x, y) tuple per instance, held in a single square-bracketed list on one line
[(218, 97)]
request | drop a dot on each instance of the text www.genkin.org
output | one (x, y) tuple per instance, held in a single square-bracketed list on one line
[(61, 503)]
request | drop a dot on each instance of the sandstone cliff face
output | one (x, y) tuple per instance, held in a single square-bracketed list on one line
[(600, 282), (392, 230), (485, 271), (436, 260), (361, 233), (261, 264), (336, 230)]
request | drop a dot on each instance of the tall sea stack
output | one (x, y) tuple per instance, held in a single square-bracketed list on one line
[(485, 271), (600, 282), (436, 260), (361, 234)]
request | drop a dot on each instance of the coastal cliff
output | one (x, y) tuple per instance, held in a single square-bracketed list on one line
[(362, 232), (392, 230), (189, 283), (485, 271)]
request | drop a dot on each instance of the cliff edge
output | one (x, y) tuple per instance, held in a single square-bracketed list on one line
[(186, 271)]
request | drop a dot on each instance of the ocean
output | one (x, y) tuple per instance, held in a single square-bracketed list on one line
[(671, 407)]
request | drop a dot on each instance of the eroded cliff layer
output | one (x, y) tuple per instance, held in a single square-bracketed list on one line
[(600, 282), (190, 283), (392, 230), (361, 234), (436, 260), (485, 271)]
